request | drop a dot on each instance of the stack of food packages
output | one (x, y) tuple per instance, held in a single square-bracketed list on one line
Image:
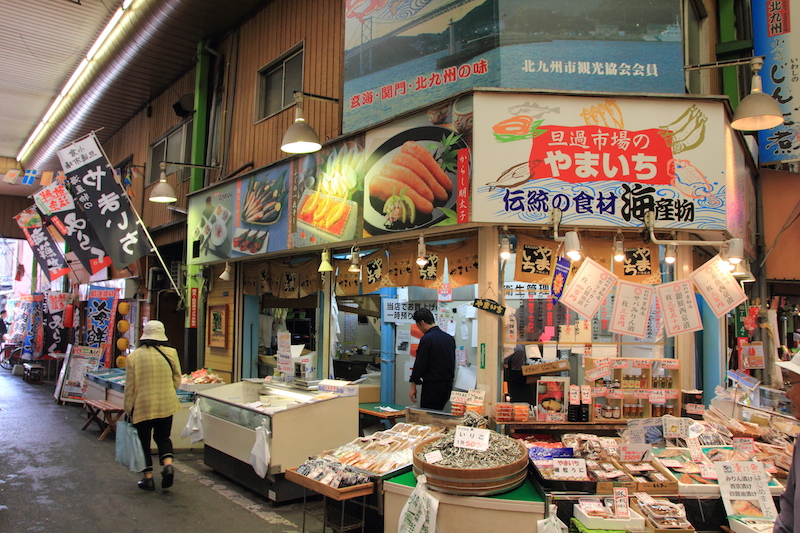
[(377, 454), (201, 377)]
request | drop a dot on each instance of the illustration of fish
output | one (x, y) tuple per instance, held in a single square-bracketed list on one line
[(690, 181), (533, 110), (515, 176)]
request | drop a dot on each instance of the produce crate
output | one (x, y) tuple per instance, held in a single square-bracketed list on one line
[(326, 490)]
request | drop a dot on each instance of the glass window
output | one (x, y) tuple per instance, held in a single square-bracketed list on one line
[(277, 83), (175, 146)]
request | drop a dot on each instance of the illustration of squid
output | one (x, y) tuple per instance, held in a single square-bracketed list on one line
[(606, 114), (691, 182), (686, 132)]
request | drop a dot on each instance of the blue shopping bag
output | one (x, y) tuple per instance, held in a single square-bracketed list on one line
[(129, 448)]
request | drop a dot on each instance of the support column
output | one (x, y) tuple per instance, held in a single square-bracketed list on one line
[(489, 325)]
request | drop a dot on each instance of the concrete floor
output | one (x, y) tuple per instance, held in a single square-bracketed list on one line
[(55, 477)]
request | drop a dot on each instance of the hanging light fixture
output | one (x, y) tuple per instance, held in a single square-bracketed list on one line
[(757, 111), (226, 274), (505, 248), (619, 248), (572, 245), (743, 273), (301, 138), (735, 251), (163, 193), (355, 259), (422, 253), (325, 263), (670, 254)]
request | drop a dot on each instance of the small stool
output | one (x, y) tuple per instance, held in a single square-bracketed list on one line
[(104, 413), (32, 373)]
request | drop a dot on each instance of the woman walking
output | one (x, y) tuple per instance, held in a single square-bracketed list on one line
[(153, 374)]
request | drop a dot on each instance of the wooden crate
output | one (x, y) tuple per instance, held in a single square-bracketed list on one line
[(340, 494)]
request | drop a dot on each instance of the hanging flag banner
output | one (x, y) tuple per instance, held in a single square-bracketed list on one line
[(103, 201), (101, 310), (631, 309), (55, 337), (42, 243), (560, 277), (718, 286), (59, 207), (32, 319), (679, 307), (590, 284)]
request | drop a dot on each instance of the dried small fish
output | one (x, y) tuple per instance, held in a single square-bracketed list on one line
[(502, 451)]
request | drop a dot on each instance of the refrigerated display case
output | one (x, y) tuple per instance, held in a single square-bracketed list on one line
[(299, 427)]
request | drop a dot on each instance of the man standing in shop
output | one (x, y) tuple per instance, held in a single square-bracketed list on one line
[(435, 365), (789, 520)]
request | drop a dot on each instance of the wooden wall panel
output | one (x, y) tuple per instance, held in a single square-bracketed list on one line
[(222, 293), (9, 207)]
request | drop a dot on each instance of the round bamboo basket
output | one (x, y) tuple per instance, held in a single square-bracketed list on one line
[(473, 481)]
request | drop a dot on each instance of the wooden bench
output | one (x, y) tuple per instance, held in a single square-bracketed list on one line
[(104, 413), (32, 373)]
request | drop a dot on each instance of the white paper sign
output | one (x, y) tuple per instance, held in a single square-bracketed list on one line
[(744, 444), (645, 498), (707, 470), (718, 286), (695, 408), (744, 490), (471, 438), (586, 394), (679, 307), (588, 287), (694, 449), (476, 396), (621, 503), (658, 395), (433, 457), (458, 397), (569, 468), (574, 395), (631, 309), (597, 373), (676, 428), (633, 452)]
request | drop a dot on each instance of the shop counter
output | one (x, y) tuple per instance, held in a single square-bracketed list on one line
[(299, 427), (517, 510)]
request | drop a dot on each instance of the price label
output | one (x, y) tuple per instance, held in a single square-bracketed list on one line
[(574, 395), (569, 468), (672, 463), (616, 394), (458, 397), (619, 363), (633, 452), (657, 396), (694, 448), (554, 417), (605, 361), (476, 396), (671, 394), (695, 408), (744, 444), (621, 503), (586, 394), (645, 498), (670, 364), (769, 466), (675, 427), (433, 457), (641, 394), (641, 363), (707, 470), (597, 373), (599, 392), (471, 438)]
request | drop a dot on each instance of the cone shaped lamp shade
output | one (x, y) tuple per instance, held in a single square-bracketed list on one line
[(572, 245), (226, 274), (757, 111), (325, 263), (300, 138), (163, 193)]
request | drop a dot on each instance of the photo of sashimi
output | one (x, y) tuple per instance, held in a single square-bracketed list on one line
[(411, 180)]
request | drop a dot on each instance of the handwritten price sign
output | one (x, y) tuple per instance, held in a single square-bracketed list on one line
[(471, 438), (569, 468)]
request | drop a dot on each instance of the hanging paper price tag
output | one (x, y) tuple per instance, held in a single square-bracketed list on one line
[(471, 438), (574, 395), (707, 470), (694, 448), (621, 503), (586, 394)]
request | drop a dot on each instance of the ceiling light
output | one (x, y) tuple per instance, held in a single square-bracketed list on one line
[(670, 254), (572, 245), (619, 248), (301, 138), (757, 111), (735, 250), (505, 248), (163, 193), (422, 253), (355, 258), (325, 263), (226, 274)]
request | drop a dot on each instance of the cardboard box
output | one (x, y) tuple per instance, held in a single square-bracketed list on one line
[(338, 386), (369, 393), (545, 368)]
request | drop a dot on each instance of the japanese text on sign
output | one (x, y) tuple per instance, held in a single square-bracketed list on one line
[(718, 286), (745, 481), (590, 285), (631, 309), (679, 307), (564, 468), (472, 438)]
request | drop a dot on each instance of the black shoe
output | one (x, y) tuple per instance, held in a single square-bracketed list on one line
[(167, 477), (147, 484)]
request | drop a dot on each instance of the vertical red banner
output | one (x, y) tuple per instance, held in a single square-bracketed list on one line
[(462, 200), (193, 307)]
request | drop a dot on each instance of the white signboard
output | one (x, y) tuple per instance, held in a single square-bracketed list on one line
[(679, 307), (744, 490), (631, 308), (588, 287), (472, 438), (718, 286), (396, 311)]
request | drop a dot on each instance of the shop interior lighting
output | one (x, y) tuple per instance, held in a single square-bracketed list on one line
[(301, 138), (670, 254), (743, 273), (730, 251), (355, 259), (163, 193), (79, 72), (422, 253), (325, 263), (226, 274), (619, 248), (505, 245), (758, 110), (572, 243)]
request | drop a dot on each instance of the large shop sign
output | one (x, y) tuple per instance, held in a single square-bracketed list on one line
[(601, 161)]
